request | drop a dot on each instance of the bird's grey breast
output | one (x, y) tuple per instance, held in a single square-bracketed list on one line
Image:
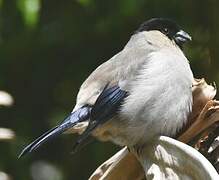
[(160, 96)]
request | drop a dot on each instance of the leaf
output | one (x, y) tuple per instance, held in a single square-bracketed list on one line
[(5, 99), (6, 134), (30, 11)]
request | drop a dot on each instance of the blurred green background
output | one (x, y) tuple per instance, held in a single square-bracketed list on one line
[(48, 48)]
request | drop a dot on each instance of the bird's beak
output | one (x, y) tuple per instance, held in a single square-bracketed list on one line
[(181, 37)]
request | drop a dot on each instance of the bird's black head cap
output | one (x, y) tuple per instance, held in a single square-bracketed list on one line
[(167, 27)]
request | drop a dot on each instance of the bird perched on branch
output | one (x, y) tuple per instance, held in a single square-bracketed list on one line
[(141, 92)]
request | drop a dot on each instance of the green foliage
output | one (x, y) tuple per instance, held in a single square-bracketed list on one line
[(1, 2), (30, 11), (85, 2), (47, 49)]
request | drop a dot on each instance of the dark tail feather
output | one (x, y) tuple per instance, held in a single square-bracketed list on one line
[(84, 139), (80, 115), (80, 145), (40, 140)]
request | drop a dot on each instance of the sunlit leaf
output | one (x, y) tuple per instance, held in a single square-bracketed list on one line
[(5, 99), (1, 1), (4, 176), (85, 2), (45, 171), (6, 134), (30, 11), (129, 7)]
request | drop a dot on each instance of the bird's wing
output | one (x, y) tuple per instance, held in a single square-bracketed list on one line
[(106, 106)]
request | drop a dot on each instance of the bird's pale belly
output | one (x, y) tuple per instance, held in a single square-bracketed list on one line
[(140, 127)]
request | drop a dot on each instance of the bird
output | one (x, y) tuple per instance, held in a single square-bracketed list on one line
[(142, 92)]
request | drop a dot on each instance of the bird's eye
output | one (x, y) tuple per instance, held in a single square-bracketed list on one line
[(166, 30)]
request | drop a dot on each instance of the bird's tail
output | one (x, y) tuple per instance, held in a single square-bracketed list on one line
[(82, 114)]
